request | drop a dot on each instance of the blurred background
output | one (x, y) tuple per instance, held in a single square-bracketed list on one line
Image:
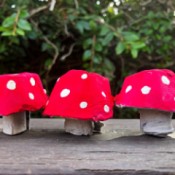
[(112, 37)]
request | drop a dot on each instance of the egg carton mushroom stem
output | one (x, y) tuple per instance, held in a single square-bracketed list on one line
[(78, 127), (16, 123), (155, 122)]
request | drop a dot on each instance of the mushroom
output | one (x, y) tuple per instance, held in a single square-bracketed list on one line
[(153, 93), (20, 93), (81, 97)]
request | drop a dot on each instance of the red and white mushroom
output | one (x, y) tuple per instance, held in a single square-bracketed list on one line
[(153, 92), (80, 97), (19, 93)]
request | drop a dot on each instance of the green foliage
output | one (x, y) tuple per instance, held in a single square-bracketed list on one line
[(15, 24), (130, 43)]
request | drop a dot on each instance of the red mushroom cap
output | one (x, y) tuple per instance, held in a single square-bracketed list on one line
[(81, 95), (154, 89), (19, 92)]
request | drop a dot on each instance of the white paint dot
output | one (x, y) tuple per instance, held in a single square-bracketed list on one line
[(11, 85), (83, 104), (45, 91), (84, 76), (32, 81), (128, 89), (64, 93), (103, 94), (31, 96), (165, 80), (145, 90), (106, 108)]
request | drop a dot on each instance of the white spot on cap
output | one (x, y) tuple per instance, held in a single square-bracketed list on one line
[(145, 90), (31, 96), (128, 89), (84, 76), (44, 90), (11, 85), (165, 80), (32, 81), (83, 104), (106, 108), (64, 93), (58, 79), (103, 94)]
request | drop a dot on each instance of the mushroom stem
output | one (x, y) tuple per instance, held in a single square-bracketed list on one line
[(16, 123), (156, 123), (78, 127)]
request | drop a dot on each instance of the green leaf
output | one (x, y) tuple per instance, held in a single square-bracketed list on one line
[(3, 29), (104, 30), (7, 33), (108, 38), (97, 59), (119, 48), (32, 35), (87, 55), (88, 42), (9, 21), (20, 32), (167, 38), (24, 24), (92, 25), (24, 14), (82, 25), (138, 45), (47, 63), (134, 53), (130, 36), (45, 46), (98, 47)]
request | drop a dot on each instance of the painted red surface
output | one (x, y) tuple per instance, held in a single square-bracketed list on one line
[(19, 92), (153, 89), (82, 95)]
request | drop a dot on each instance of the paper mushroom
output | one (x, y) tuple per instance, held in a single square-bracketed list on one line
[(80, 97), (153, 93), (19, 93)]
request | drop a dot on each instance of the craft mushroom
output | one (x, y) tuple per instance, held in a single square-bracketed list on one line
[(153, 93), (80, 97), (19, 93)]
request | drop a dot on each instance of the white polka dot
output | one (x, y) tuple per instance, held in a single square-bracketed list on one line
[(58, 79), (32, 81), (128, 89), (84, 76), (31, 96), (64, 93), (11, 85), (103, 94), (44, 90), (83, 104), (106, 108), (145, 90), (165, 80)]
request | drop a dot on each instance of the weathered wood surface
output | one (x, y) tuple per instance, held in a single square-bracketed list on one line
[(121, 150)]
